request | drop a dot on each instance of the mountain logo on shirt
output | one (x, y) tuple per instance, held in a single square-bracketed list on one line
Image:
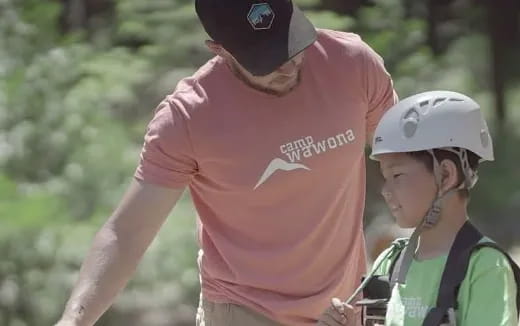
[(302, 148), (279, 164)]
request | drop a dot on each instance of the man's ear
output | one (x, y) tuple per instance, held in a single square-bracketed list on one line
[(216, 48), (449, 175)]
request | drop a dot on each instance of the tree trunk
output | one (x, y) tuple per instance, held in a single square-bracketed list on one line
[(433, 40), (503, 33), (76, 14)]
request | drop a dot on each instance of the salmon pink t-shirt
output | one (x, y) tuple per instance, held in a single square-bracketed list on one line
[(278, 181)]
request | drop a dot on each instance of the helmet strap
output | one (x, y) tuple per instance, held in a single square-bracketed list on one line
[(430, 219)]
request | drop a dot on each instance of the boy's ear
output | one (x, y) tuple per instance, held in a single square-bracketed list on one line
[(449, 175)]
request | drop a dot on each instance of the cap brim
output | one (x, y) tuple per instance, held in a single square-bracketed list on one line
[(265, 57)]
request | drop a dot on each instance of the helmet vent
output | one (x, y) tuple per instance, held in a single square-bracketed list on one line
[(412, 114), (411, 121), (484, 138), (438, 101)]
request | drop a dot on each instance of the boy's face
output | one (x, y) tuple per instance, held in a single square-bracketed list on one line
[(409, 188)]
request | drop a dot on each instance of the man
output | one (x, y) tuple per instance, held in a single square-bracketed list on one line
[(269, 136)]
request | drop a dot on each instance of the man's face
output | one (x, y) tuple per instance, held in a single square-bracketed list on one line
[(279, 82)]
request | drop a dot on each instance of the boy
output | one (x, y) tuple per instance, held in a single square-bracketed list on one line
[(428, 147)]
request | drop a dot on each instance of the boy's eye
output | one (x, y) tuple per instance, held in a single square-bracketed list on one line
[(397, 175)]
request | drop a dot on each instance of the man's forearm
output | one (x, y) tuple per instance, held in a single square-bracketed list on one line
[(116, 250), (107, 268)]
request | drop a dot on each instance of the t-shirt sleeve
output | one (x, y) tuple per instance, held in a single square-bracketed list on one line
[(167, 157), (490, 296), (379, 88)]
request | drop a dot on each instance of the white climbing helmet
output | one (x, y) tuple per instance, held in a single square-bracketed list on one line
[(431, 120)]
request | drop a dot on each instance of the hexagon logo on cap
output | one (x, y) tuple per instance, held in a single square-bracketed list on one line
[(260, 16)]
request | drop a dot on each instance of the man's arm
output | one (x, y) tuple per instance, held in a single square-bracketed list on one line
[(380, 91), (116, 250)]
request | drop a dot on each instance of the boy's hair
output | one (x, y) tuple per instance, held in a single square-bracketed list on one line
[(441, 155)]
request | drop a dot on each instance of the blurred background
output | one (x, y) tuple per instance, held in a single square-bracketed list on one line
[(79, 80)]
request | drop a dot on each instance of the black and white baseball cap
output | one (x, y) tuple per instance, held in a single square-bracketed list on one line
[(261, 34)]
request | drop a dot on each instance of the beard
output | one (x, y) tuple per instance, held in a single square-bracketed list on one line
[(272, 90)]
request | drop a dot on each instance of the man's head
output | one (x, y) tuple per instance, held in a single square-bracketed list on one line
[(261, 39)]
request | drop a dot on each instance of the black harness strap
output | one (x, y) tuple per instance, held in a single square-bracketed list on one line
[(453, 274), (465, 244), (395, 266)]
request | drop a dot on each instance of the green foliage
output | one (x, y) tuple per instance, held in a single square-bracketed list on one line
[(25, 208), (495, 201), (42, 251), (168, 32), (59, 116), (73, 110), (24, 32)]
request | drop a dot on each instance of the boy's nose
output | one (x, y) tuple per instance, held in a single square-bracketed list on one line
[(386, 194)]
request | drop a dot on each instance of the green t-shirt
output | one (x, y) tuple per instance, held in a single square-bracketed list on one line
[(487, 296)]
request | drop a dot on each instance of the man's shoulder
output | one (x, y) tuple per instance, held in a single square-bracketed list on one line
[(346, 40), (209, 72), (338, 36), (192, 92), (343, 45)]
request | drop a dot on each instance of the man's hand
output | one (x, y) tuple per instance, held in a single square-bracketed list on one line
[(338, 314)]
